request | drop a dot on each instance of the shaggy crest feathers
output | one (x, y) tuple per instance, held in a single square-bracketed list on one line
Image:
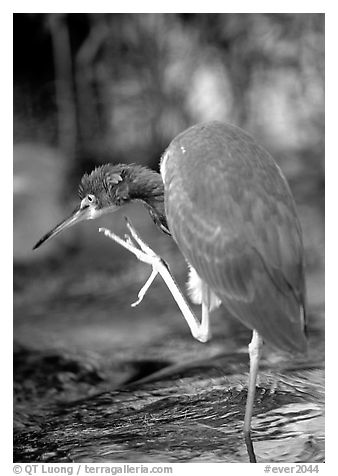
[(100, 180), (122, 183)]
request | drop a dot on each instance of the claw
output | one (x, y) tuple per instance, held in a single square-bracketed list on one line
[(144, 247), (144, 253), (128, 240), (145, 288)]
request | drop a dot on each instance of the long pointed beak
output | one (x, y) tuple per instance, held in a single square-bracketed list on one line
[(78, 215)]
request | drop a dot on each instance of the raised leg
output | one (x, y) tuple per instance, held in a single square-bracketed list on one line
[(142, 252), (255, 347), (145, 287)]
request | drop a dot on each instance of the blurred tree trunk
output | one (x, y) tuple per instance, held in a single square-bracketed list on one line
[(88, 98), (66, 108)]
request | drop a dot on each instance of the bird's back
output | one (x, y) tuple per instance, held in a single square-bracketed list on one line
[(233, 217)]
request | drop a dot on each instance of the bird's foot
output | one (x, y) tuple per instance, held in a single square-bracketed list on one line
[(142, 252), (145, 287)]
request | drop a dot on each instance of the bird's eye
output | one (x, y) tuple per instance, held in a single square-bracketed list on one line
[(90, 198)]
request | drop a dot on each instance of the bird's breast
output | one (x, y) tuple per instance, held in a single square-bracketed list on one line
[(163, 165)]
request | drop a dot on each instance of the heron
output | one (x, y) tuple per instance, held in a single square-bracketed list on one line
[(227, 205)]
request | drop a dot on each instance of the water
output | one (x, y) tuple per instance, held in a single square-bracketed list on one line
[(76, 353), (186, 419)]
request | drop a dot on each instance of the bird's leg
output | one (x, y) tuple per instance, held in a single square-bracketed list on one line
[(205, 322), (199, 330), (145, 288), (150, 258), (255, 347), (144, 253)]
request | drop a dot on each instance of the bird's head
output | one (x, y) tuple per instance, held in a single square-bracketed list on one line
[(106, 189)]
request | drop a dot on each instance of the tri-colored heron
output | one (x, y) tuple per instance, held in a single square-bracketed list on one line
[(229, 208)]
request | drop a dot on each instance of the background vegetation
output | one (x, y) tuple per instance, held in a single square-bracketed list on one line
[(92, 88)]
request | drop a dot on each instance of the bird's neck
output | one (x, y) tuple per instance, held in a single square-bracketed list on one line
[(147, 186)]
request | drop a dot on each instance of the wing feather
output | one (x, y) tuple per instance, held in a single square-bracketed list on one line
[(235, 223)]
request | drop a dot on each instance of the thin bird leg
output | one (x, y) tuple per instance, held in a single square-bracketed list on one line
[(145, 287), (255, 348), (149, 281), (200, 331), (205, 322), (147, 255), (130, 246)]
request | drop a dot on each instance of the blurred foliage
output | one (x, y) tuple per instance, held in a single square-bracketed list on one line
[(121, 86), (92, 88)]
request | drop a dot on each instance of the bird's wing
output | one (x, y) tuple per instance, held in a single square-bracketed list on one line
[(246, 245)]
